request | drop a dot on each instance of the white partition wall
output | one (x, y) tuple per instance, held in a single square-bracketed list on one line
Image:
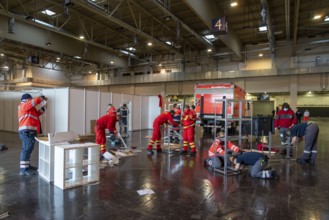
[(116, 100), (136, 113), (55, 119), (105, 99), (77, 111), (145, 111), (9, 109), (9, 102), (48, 117), (2, 111), (154, 110), (74, 109), (92, 108)]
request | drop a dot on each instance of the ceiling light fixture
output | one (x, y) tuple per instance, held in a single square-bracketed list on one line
[(326, 18), (209, 36), (131, 49), (169, 43), (81, 37), (48, 12), (316, 17), (262, 28), (260, 55), (209, 50), (234, 4), (149, 44)]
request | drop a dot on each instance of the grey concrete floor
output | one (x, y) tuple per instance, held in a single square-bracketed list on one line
[(183, 188)]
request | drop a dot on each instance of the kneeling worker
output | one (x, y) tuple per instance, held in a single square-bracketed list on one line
[(310, 131), (258, 163), (216, 152)]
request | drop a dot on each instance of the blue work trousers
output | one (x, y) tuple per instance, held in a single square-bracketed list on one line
[(28, 141)]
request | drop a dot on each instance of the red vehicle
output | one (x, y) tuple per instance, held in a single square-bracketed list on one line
[(209, 97)]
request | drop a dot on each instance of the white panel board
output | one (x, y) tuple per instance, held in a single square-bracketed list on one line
[(16, 100), (154, 110), (116, 100), (48, 117), (92, 108), (2, 111), (145, 112), (9, 111), (77, 111), (106, 98), (136, 113), (61, 102)]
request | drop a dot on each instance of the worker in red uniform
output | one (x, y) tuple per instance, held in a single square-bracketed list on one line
[(193, 112), (285, 119), (105, 122), (165, 117), (216, 152), (29, 111), (111, 109), (188, 122), (176, 118), (218, 148)]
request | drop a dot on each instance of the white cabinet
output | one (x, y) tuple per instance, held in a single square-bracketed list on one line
[(76, 164), (46, 152), (46, 161)]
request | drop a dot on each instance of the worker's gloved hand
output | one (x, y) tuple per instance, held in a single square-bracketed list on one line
[(44, 97)]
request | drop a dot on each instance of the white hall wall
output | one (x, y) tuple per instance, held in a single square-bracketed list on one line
[(73, 109)]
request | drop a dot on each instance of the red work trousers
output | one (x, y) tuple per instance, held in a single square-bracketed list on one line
[(188, 134), (100, 138)]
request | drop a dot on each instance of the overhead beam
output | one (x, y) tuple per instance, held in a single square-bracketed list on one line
[(287, 15), (296, 18), (270, 32), (95, 9), (183, 25), (207, 10), (62, 42)]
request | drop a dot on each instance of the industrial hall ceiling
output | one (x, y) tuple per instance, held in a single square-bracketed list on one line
[(114, 34)]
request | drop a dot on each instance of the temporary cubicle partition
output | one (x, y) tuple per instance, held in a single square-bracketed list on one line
[(74, 109)]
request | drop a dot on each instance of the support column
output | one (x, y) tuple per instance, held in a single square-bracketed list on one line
[(293, 92)]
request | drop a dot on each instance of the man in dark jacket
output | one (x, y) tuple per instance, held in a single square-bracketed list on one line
[(298, 116), (310, 131), (257, 162)]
